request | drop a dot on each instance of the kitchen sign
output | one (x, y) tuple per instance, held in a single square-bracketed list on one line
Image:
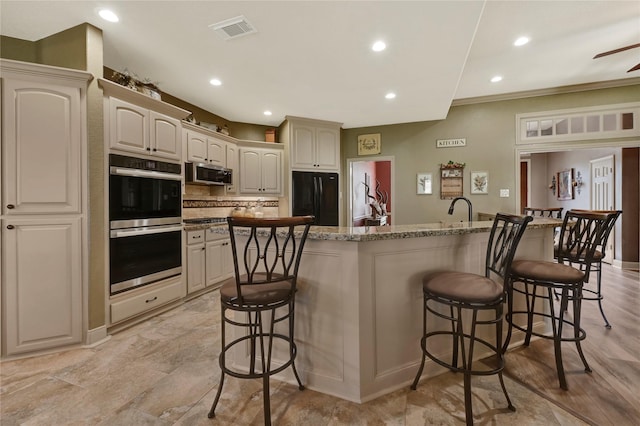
[(450, 143)]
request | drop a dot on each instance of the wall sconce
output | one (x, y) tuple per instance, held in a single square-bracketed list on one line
[(577, 183), (552, 187)]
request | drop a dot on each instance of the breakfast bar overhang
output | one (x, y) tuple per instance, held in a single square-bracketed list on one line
[(359, 301)]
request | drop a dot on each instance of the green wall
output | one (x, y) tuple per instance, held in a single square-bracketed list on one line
[(490, 132)]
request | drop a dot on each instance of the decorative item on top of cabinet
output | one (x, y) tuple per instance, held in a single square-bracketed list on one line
[(44, 206), (314, 144), (140, 124)]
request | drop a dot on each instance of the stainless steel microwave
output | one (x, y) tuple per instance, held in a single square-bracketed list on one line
[(207, 174)]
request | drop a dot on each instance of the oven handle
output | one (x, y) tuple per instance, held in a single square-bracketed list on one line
[(143, 173), (120, 233)]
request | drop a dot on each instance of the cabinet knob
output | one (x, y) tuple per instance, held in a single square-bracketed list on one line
[(203, 248), (154, 149), (11, 206), (148, 149), (10, 226), (153, 299)]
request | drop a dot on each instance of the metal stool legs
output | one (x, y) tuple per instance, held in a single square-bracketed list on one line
[(463, 353)]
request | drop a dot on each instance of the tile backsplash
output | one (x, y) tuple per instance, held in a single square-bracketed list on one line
[(194, 206)]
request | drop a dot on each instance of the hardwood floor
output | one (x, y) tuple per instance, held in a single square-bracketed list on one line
[(610, 395)]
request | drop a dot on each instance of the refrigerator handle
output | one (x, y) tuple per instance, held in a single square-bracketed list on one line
[(315, 196)]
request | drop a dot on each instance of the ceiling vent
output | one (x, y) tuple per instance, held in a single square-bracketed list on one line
[(233, 28)]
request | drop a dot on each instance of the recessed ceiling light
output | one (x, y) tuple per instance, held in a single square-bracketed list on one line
[(496, 79), (521, 41), (215, 82), (267, 113), (378, 46), (108, 15), (390, 95)]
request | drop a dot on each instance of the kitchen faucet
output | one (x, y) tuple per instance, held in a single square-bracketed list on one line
[(453, 202)]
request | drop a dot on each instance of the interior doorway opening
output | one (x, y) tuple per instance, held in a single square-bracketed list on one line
[(371, 181)]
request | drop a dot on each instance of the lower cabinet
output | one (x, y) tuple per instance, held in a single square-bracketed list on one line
[(209, 259), (42, 300)]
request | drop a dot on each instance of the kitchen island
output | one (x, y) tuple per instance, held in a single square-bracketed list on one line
[(359, 303)]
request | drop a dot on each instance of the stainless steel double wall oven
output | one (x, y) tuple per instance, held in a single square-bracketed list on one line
[(145, 202)]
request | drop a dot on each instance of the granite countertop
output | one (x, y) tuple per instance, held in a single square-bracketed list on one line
[(394, 232)]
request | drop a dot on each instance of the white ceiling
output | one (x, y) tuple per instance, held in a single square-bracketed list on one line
[(313, 58)]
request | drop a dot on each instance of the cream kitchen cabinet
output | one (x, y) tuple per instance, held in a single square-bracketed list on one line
[(314, 145), (44, 204), (138, 124), (260, 170), (232, 163), (209, 259), (206, 149)]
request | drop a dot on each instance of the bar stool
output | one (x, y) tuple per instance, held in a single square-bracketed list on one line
[(596, 265), (463, 292), (266, 271), (581, 233)]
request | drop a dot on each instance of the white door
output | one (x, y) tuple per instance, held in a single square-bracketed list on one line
[(602, 194)]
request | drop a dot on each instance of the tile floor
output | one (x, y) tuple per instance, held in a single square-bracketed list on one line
[(165, 372)]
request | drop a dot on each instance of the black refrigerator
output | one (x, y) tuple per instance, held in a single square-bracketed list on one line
[(316, 194)]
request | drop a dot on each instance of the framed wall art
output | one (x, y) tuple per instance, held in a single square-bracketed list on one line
[(369, 144), (424, 183), (564, 180), (479, 182), (451, 181)]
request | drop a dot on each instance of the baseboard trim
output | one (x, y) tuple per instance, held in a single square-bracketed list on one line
[(621, 264), (96, 336)]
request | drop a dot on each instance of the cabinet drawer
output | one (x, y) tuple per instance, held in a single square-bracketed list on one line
[(155, 298), (213, 234), (195, 237)]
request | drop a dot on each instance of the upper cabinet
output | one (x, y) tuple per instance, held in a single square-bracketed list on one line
[(142, 125), (42, 135), (202, 148), (314, 145), (261, 170)]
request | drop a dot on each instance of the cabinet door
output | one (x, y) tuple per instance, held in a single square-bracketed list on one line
[(41, 143), (271, 172), (196, 147), (165, 136), (42, 302), (303, 148), (232, 163), (214, 266), (195, 267), (128, 127), (227, 260), (327, 149), (250, 173), (217, 152)]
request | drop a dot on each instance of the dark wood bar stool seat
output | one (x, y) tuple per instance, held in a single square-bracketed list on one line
[(580, 234), (467, 293), (262, 295)]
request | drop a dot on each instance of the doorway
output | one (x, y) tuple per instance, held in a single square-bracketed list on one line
[(371, 184), (602, 194)]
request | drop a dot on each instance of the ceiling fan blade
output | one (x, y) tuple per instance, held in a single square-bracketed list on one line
[(636, 68), (611, 52)]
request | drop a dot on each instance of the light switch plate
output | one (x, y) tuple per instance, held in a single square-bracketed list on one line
[(504, 193)]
